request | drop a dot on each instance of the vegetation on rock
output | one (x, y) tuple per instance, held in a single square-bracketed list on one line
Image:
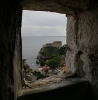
[(42, 62), (54, 62), (52, 56), (39, 75)]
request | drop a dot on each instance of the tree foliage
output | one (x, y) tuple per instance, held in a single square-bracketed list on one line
[(42, 62), (54, 62), (39, 75)]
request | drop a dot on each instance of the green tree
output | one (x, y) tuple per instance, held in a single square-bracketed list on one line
[(54, 62), (42, 62), (39, 75)]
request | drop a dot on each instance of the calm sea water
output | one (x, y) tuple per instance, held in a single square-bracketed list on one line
[(32, 45)]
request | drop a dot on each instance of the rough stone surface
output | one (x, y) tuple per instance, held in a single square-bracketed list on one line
[(73, 89), (82, 35), (59, 6), (10, 49)]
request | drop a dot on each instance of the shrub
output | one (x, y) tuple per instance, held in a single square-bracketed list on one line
[(39, 75), (42, 62), (54, 62)]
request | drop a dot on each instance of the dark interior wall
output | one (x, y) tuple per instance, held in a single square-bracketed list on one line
[(10, 44)]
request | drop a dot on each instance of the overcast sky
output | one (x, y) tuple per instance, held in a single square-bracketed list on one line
[(37, 23)]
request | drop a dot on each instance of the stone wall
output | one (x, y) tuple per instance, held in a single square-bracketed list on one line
[(82, 35), (10, 49)]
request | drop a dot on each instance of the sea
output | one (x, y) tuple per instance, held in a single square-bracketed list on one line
[(31, 45)]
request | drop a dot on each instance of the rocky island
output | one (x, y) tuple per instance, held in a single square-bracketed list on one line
[(51, 58)]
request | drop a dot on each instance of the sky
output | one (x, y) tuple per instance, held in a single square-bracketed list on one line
[(38, 23)]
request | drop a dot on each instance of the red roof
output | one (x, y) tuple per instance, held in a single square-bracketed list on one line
[(63, 68), (44, 68)]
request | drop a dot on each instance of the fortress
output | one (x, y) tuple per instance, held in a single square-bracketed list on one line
[(57, 44)]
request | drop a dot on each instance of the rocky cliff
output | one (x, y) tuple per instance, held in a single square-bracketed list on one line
[(47, 52)]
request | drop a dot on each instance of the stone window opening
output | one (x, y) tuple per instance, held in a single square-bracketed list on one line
[(58, 47)]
